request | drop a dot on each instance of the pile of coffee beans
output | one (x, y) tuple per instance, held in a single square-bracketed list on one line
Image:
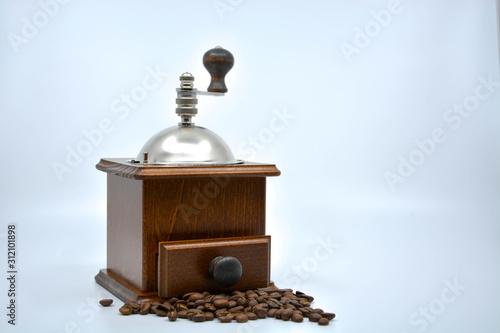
[(238, 306)]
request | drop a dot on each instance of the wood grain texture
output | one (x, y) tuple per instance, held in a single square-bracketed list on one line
[(125, 229), (122, 289), (183, 265), (120, 167), (144, 212), (199, 208)]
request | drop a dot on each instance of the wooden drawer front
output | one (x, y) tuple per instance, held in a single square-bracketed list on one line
[(183, 265)]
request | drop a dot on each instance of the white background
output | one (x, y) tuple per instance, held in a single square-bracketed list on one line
[(394, 251)]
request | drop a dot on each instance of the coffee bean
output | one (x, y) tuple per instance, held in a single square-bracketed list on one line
[(195, 296), (328, 315), (210, 307), (252, 302), (191, 312), (236, 309), (199, 317), (242, 301), (199, 302), (145, 308), (134, 305), (251, 316), (173, 300), (310, 299), (206, 294), (286, 314), (241, 318), (296, 318), (172, 315), (106, 302), (182, 314), (209, 316), (278, 313), (225, 318), (314, 317), (323, 322), (272, 313), (161, 312), (126, 310), (289, 306), (318, 310), (221, 303), (274, 304), (260, 312)]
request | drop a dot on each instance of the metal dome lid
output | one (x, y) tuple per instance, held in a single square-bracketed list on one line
[(187, 144)]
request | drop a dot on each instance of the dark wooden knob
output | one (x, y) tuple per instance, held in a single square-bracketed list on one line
[(225, 270), (218, 62)]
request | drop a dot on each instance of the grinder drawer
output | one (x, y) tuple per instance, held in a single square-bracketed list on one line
[(213, 265)]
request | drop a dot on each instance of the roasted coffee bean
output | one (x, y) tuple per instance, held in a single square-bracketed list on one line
[(172, 315), (210, 307), (219, 296), (206, 294), (289, 306), (221, 303), (232, 304), (106, 302), (182, 314), (226, 318), (295, 303), (173, 300), (236, 309), (186, 295), (199, 302), (126, 310), (260, 312), (134, 305), (272, 313), (286, 314), (181, 306), (145, 308), (314, 317), (299, 293), (209, 298), (304, 302), (251, 316), (191, 312), (278, 313), (261, 292), (284, 300), (328, 315), (209, 316), (242, 301), (239, 293), (261, 305), (190, 305), (323, 322), (261, 298), (275, 295), (161, 312), (219, 311), (199, 317), (273, 303), (310, 299), (195, 296), (241, 318), (252, 302), (296, 318), (251, 294)]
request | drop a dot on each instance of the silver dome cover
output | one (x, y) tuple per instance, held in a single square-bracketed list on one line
[(186, 145)]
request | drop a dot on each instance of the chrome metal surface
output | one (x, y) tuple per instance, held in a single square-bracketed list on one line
[(186, 99), (187, 145)]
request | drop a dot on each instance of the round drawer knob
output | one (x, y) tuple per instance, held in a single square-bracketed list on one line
[(225, 270)]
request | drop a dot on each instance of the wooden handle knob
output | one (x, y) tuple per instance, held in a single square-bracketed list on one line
[(226, 271), (218, 62)]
